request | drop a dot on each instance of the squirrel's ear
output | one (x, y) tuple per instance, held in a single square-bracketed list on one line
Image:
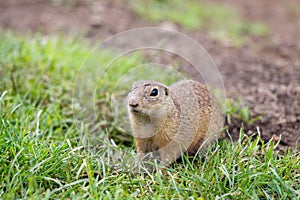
[(166, 91)]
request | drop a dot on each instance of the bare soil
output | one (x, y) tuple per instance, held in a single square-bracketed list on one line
[(266, 72)]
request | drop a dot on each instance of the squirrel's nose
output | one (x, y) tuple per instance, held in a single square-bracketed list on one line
[(133, 102)]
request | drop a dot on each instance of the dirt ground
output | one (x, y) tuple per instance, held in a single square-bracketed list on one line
[(266, 73)]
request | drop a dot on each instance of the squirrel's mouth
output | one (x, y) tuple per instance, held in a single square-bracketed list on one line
[(137, 111)]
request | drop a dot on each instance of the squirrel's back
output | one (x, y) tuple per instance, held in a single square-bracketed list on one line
[(197, 99)]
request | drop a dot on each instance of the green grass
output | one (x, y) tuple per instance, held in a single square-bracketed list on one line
[(222, 22), (43, 153), (238, 109)]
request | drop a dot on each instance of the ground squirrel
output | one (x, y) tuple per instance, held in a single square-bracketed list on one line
[(169, 120)]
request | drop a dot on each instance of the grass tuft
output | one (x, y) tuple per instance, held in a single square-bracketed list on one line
[(238, 109)]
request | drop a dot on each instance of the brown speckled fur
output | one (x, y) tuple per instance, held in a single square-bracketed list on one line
[(181, 118)]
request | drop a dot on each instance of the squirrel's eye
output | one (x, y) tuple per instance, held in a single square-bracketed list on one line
[(154, 92)]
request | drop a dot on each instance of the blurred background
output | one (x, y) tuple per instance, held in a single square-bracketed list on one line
[(223, 20), (255, 44)]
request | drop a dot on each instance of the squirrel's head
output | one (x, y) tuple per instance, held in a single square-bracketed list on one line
[(149, 98)]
